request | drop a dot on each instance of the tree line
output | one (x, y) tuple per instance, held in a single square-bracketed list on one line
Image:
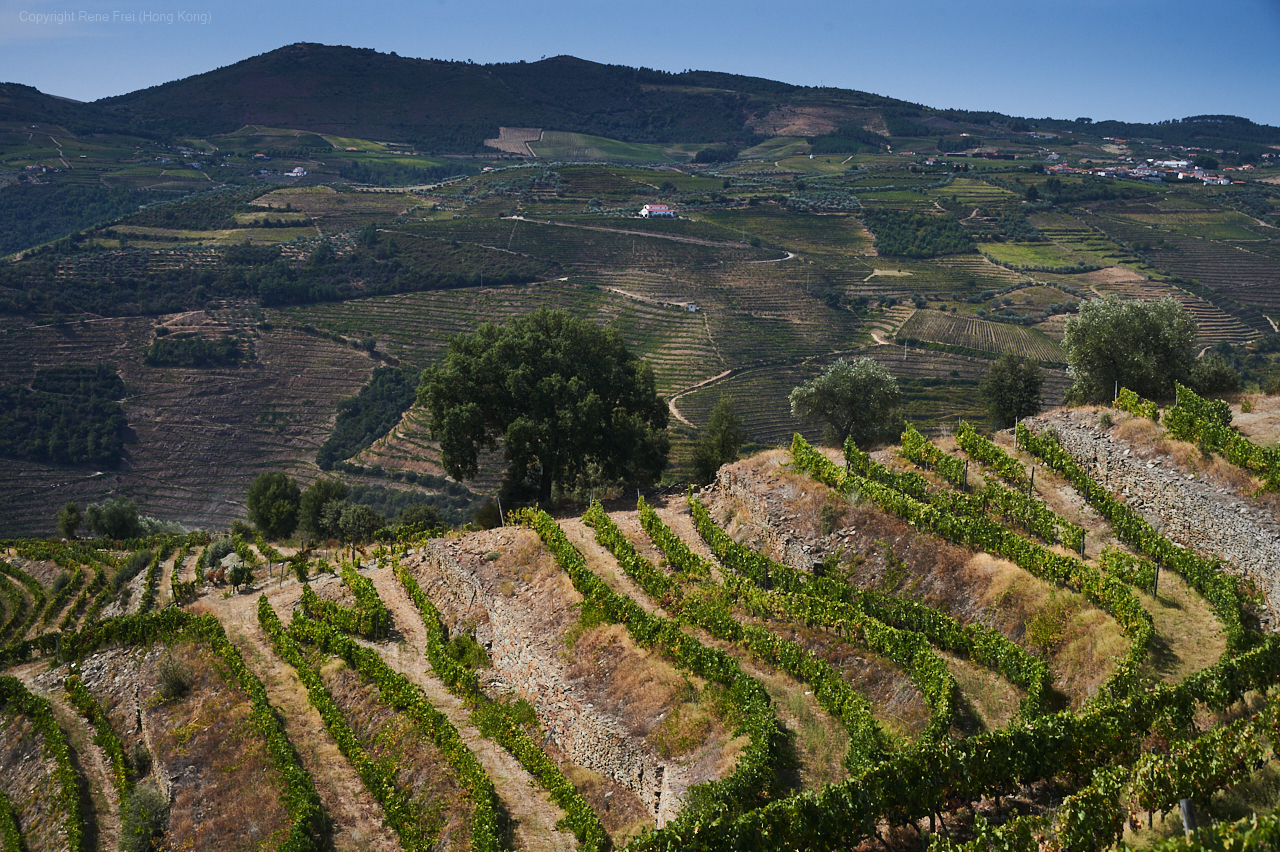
[(370, 414)]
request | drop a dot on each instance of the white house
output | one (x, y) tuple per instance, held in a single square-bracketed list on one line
[(656, 211)]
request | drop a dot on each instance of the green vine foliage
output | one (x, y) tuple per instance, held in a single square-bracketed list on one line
[(496, 723), (1093, 817), (986, 453), (10, 834), (369, 617), (908, 650), (15, 697), (1129, 401), (755, 780), (1015, 507), (919, 449), (984, 646), (918, 782), (16, 606), (397, 692), (96, 585), (104, 735), (398, 809), (16, 627), (1133, 570), (1208, 423), (867, 742), (182, 592), (25, 649), (1203, 575), (62, 595), (981, 533)]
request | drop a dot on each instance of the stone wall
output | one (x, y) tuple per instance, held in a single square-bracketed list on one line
[(769, 510), (527, 658), (1188, 511)]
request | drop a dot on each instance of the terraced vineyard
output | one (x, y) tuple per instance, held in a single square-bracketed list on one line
[(198, 435), (937, 387), (663, 676), (972, 333), (1215, 325), (693, 295), (1240, 270)]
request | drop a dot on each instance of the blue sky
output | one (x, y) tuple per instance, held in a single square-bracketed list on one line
[(1135, 60)]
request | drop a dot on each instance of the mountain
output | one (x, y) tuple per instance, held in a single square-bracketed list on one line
[(28, 105), (454, 106)]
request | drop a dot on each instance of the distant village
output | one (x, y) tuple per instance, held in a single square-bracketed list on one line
[(1151, 169)]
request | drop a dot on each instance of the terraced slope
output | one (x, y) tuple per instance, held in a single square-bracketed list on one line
[(198, 436), (770, 629)]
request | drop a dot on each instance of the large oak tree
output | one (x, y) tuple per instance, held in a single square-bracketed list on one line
[(564, 397)]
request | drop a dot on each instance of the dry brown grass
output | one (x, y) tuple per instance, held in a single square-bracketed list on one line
[(637, 687), (620, 810), (1189, 636), (526, 559), (1149, 440), (1140, 431), (226, 790), (988, 702), (818, 741), (895, 701), (1087, 642), (26, 776)]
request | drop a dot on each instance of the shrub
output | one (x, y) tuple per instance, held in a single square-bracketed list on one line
[(174, 680), (144, 817), (115, 518), (464, 648), (140, 759), (134, 564)]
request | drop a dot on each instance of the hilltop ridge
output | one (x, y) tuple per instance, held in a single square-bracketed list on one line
[(449, 106)]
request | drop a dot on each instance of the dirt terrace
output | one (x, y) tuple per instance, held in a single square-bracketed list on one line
[(601, 700)]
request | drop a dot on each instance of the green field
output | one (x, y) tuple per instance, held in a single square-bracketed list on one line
[(556, 145), (342, 143), (1213, 225), (778, 146), (1030, 254), (816, 164)]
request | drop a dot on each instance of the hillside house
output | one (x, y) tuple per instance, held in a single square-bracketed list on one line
[(657, 211)]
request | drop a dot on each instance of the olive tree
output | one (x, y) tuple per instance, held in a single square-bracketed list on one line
[(720, 441), (1143, 346), (311, 507), (273, 504), (856, 399), (1011, 389), (69, 520)]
